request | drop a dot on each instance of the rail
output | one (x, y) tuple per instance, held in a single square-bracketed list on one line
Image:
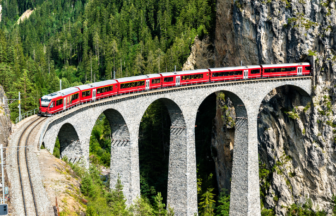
[(26, 160)]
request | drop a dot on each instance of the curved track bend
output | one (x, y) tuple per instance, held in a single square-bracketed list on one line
[(27, 198)]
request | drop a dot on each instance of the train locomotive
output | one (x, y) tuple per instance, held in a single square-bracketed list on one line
[(62, 100)]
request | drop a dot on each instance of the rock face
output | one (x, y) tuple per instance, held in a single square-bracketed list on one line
[(5, 123), (201, 56), (223, 140), (297, 133)]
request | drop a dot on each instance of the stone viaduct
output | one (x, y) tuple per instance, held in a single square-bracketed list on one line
[(124, 113)]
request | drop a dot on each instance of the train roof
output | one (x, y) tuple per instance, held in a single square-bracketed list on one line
[(61, 93), (184, 72), (234, 68), (193, 71), (102, 83), (68, 91), (285, 65), (83, 87), (126, 79)]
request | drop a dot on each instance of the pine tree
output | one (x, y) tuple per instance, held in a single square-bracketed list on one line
[(160, 207), (29, 94), (117, 199), (6, 76), (223, 207), (207, 203)]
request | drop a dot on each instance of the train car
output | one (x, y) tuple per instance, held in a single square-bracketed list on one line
[(155, 81), (135, 84), (194, 76), (85, 93), (235, 73), (170, 79), (59, 101), (279, 70), (101, 90)]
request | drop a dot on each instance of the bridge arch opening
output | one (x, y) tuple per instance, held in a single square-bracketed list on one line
[(68, 144), (162, 138), (109, 147), (220, 128), (284, 137)]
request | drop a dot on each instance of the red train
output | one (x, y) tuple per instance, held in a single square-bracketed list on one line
[(64, 99)]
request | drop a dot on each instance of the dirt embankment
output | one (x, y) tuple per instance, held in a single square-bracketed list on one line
[(60, 182)]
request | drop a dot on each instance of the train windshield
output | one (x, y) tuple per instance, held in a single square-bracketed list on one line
[(45, 102)]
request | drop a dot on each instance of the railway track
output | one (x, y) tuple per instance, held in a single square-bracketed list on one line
[(28, 194)]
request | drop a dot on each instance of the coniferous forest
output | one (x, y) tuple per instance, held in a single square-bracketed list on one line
[(83, 41)]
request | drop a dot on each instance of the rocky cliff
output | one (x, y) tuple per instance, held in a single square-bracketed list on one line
[(5, 123), (296, 132)]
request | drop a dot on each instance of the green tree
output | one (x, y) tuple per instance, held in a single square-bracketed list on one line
[(207, 203), (117, 200), (223, 207), (29, 95)]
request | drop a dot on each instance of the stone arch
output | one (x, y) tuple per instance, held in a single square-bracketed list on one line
[(237, 116), (120, 165), (69, 142), (119, 130), (302, 89), (239, 170), (177, 192)]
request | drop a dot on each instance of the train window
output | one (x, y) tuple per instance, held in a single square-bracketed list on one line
[(59, 102), (270, 70), (255, 71), (73, 97), (86, 93), (307, 68), (183, 78), (132, 84), (105, 89), (169, 79), (155, 81)]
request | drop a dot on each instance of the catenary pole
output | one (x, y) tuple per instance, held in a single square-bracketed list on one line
[(19, 107)]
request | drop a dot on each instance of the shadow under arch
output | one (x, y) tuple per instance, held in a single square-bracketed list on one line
[(228, 138), (173, 144), (283, 124), (69, 143)]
